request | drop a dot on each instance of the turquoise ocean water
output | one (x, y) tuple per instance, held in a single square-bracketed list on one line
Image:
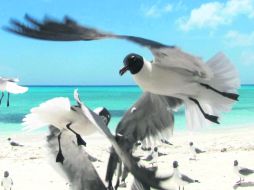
[(116, 98)]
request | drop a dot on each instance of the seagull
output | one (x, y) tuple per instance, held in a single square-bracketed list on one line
[(82, 121), (10, 86), (181, 179), (147, 121), (194, 151), (207, 89), (13, 143), (242, 172), (61, 114)]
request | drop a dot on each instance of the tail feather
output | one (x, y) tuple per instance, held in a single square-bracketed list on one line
[(49, 112), (225, 80)]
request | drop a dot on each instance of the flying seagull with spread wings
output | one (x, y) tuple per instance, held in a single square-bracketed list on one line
[(82, 121), (150, 119), (206, 89)]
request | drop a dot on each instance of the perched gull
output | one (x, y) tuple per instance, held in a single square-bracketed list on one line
[(148, 121), (13, 143), (7, 182), (194, 151), (181, 179), (83, 121), (9, 85), (61, 114), (242, 172), (206, 89)]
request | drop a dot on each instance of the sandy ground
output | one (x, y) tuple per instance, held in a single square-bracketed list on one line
[(30, 166)]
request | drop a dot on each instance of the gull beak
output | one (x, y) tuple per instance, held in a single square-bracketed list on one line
[(123, 70)]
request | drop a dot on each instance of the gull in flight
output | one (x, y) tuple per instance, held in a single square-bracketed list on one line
[(206, 88)]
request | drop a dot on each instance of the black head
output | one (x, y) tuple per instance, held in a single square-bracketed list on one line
[(104, 113), (155, 149), (6, 174), (175, 164), (9, 139), (191, 144), (235, 163), (132, 62)]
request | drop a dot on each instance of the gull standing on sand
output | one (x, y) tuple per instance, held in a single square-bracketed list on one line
[(194, 151), (10, 86), (181, 179), (241, 171), (207, 89), (61, 114), (7, 182)]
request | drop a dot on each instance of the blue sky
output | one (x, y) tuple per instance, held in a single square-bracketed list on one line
[(198, 27)]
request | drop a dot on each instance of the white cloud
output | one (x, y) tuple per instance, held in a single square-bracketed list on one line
[(157, 11), (247, 58), (214, 14), (237, 39)]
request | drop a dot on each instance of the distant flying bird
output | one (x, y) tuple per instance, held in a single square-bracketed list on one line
[(206, 89), (82, 121), (148, 121), (181, 179), (195, 151), (61, 114), (241, 171), (10, 86)]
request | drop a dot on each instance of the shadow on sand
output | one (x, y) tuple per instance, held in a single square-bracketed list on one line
[(244, 184)]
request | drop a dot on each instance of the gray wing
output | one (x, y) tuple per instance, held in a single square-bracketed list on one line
[(151, 117), (197, 150), (246, 171), (187, 179), (77, 165), (70, 30)]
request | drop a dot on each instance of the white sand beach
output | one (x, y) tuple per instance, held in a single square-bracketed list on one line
[(30, 167)]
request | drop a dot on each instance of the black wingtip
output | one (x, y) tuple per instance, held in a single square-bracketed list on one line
[(212, 118)]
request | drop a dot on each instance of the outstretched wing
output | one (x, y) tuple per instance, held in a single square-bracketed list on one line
[(70, 30), (150, 119), (77, 166), (142, 174)]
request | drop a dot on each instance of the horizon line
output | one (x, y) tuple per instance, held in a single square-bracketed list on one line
[(95, 85)]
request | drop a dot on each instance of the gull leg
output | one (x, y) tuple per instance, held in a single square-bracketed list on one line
[(80, 141), (1, 97), (211, 118), (231, 96), (59, 157), (8, 99)]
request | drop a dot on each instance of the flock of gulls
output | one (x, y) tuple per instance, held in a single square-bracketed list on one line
[(174, 78)]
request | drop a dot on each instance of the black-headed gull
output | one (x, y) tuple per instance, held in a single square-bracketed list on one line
[(61, 114), (79, 118), (181, 179), (206, 89), (194, 151), (10, 86), (241, 171)]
